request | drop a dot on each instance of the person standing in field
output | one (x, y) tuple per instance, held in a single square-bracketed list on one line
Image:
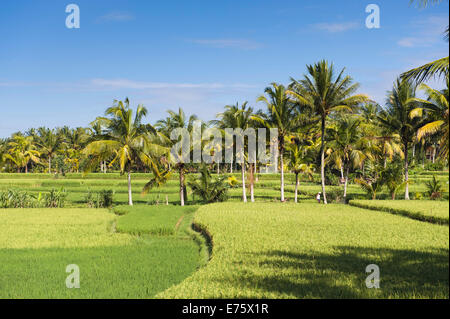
[(318, 197)]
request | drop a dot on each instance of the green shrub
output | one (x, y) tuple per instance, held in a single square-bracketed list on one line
[(418, 196), (331, 179), (19, 199), (101, 199), (208, 188), (437, 166), (55, 198), (434, 188), (335, 195)]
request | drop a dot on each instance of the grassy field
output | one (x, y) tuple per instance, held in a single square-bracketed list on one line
[(36, 245), (262, 250), (267, 187), (426, 210), (319, 252), (165, 220)]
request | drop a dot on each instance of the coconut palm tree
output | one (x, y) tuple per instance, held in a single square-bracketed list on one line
[(22, 151), (74, 142), (49, 142), (436, 110), (227, 119), (348, 147), (238, 116), (369, 112), (324, 93), (165, 126), (432, 69), (125, 138), (3, 152), (298, 162), (396, 119), (281, 113), (244, 121), (389, 145)]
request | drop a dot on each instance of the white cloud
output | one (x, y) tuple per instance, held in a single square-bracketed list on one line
[(410, 42), (427, 32), (116, 17), (228, 43), (138, 85), (335, 27)]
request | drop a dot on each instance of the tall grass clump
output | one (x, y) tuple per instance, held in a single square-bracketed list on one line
[(18, 199), (101, 199), (55, 198)]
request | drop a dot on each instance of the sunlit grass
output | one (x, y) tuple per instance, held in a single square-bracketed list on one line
[(36, 245), (426, 210), (274, 250)]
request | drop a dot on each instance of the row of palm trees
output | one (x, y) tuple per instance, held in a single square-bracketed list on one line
[(321, 121)]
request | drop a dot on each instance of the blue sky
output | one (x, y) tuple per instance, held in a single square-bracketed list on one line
[(200, 55)]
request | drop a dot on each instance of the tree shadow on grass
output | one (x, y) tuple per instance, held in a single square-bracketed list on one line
[(341, 273)]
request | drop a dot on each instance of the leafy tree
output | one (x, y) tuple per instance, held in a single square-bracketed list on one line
[(297, 163), (22, 151), (374, 182), (160, 177), (325, 94), (434, 188), (435, 110), (239, 117), (209, 189), (281, 113), (125, 138), (393, 179), (173, 121), (396, 118), (348, 148), (49, 142)]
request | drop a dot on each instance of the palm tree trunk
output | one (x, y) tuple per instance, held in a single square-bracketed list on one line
[(181, 185), (252, 183), (322, 160), (434, 153), (423, 156), (218, 168), (282, 171), (130, 196), (346, 183), (49, 164), (296, 188), (406, 171), (244, 195)]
